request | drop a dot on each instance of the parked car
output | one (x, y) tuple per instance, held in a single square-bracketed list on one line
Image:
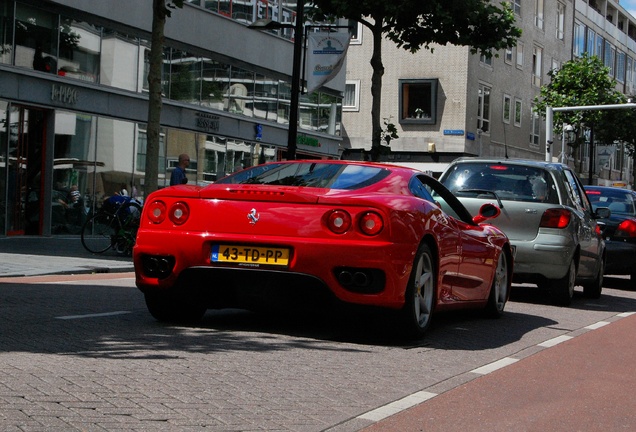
[(366, 234), (619, 229), (546, 215)]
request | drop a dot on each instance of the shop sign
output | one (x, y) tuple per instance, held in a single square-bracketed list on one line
[(207, 122), (308, 141), (64, 94)]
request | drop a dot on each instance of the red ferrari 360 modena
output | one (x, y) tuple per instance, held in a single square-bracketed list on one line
[(363, 233)]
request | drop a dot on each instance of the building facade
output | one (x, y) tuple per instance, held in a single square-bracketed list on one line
[(74, 102), (450, 103)]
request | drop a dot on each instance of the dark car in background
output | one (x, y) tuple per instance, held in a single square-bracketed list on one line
[(619, 229), (546, 215)]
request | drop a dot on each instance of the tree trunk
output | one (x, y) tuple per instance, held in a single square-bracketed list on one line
[(376, 90), (154, 97)]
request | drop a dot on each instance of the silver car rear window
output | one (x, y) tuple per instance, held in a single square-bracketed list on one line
[(508, 181)]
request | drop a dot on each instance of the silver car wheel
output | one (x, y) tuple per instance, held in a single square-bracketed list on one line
[(424, 287), (419, 296), (499, 289)]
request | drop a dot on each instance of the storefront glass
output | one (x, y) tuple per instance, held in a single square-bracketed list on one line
[(4, 161), (36, 39), (80, 50), (6, 31), (185, 76), (93, 53)]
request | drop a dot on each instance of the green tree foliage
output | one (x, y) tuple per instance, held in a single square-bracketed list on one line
[(161, 10), (583, 81), (415, 24)]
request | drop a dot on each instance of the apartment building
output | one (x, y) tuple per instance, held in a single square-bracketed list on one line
[(450, 103), (74, 101)]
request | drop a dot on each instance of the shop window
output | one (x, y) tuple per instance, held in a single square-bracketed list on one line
[(185, 76), (80, 49), (6, 37), (36, 40), (418, 101)]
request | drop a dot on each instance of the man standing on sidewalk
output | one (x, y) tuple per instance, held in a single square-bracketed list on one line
[(179, 174)]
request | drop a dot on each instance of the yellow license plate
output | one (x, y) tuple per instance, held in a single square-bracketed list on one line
[(242, 254)]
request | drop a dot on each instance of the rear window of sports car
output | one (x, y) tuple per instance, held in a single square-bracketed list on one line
[(311, 174)]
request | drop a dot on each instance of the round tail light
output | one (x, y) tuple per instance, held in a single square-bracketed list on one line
[(338, 221), (156, 212), (179, 213), (371, 223)]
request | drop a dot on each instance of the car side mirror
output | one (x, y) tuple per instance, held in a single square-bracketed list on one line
[(487, 211), (602, 213)]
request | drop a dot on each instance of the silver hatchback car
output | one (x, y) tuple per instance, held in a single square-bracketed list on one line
[(547, 216)]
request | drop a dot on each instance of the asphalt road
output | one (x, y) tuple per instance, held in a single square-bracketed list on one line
[(82, 353)]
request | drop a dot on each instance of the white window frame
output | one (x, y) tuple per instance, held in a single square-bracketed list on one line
[(535, 130), (506, 111), (560, 21), (537, 65), (483, 107), (516, 6), (519, 59), (358, 39), (538, 14), (508, 55), (518, 112), (356, 96), (485, 60)]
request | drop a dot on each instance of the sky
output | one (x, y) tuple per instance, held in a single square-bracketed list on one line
[(630, 5)]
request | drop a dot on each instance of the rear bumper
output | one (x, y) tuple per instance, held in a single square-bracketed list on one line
[(313, 262), (621, 258), (547, 256)]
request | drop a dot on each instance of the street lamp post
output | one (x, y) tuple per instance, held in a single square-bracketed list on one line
[(267, 24)]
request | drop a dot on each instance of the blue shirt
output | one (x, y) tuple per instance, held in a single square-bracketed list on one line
[(178, 176)]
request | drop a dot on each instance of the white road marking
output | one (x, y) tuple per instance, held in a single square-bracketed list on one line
[(397, 406), (555, 341), (625, 314), (97, 315), (597, 325), (486, 369)]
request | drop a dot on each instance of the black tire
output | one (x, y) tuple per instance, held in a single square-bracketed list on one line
[(98, 233), (500, 289), (562, 290), (417, 312), (594, 288), (168, 307)]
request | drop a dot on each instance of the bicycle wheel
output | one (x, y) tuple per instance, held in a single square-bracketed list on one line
[(129, 215), (98, 232)]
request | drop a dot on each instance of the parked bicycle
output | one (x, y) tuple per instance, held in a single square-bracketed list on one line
[(114, 225)]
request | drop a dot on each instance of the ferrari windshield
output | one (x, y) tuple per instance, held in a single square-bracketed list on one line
[(309, 174)]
